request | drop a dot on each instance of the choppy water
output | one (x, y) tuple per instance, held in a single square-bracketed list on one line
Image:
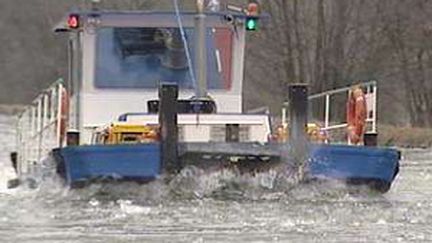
[(218, 208)]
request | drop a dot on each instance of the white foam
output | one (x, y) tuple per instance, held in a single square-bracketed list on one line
[(128, 207), (7, 144)]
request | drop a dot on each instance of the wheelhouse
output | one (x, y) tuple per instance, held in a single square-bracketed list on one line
[(117, 60)]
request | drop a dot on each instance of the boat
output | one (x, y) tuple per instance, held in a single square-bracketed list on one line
[(149, 93)]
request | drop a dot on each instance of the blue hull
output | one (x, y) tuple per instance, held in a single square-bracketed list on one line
[(142, 162), (131, 162), (355, 164)]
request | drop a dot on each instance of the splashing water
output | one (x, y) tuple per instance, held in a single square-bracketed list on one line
[(223, 206), (7, 144)]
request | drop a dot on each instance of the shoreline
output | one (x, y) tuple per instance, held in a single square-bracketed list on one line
[(404, 137), (11, 109)]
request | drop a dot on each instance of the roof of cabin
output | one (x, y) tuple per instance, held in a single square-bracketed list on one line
[(164, 17)]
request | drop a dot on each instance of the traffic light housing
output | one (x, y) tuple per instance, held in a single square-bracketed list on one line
[(251, 23), (252, 13)]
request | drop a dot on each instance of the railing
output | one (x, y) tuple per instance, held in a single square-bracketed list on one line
[(332, 118), (39, 126), (370, 89)]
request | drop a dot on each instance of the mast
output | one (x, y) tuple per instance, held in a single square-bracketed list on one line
[(200, 51)]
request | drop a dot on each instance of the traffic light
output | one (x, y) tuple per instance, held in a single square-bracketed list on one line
[(251, 23), (252, 17), (73, 21)]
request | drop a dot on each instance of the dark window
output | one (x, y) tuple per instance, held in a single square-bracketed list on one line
[(143, 57)]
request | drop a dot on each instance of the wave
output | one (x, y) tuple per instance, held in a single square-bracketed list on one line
[(196, 184), (190, 184)]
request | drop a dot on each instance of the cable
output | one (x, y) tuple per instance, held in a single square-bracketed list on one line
[(185, 44)]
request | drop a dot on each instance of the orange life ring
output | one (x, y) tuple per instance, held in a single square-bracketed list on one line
[(64, 114), (356, 115)]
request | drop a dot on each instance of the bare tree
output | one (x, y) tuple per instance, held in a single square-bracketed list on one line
[(326, 43)]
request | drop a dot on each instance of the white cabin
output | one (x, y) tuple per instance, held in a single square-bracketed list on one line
[(116, 62)]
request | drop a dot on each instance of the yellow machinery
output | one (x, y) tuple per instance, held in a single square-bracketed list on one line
[(313, 130), (316, 134), (123, 133)]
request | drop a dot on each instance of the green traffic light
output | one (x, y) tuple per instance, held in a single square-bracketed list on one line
[(251, 24)]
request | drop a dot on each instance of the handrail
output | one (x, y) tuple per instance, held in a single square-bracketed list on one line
[(371, 94), (340, 90), (371, 99), (38, 126)]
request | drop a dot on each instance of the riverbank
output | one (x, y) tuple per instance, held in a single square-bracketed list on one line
[(11, 109), (406, 137)]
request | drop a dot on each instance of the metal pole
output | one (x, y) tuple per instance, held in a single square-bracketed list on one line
[(52, 104), (200, 51), (298, 100), (371, 138), (45, 111), (168, 94), (39, 116), (33, 121), (374, 109), (39, 128), (284, 115), (44, 122), (327, 111), (59, 115)]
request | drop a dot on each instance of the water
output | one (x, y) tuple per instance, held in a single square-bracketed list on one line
[(218, 208)]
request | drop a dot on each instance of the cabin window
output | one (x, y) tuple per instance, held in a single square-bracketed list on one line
[(142, 57)]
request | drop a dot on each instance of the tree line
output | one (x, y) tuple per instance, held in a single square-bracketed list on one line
[(334, 43), (325, 43)]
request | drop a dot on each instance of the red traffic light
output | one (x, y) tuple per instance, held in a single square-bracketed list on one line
[(253, 9), (73, 21)]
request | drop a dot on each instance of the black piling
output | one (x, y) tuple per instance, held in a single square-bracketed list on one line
[(298, 112), (371, 139), (168, 94), (14, 161), (14, 182), (72, 138)]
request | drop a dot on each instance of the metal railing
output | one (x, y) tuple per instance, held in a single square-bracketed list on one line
[(321, 104), (39, 127), (370, 89)]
